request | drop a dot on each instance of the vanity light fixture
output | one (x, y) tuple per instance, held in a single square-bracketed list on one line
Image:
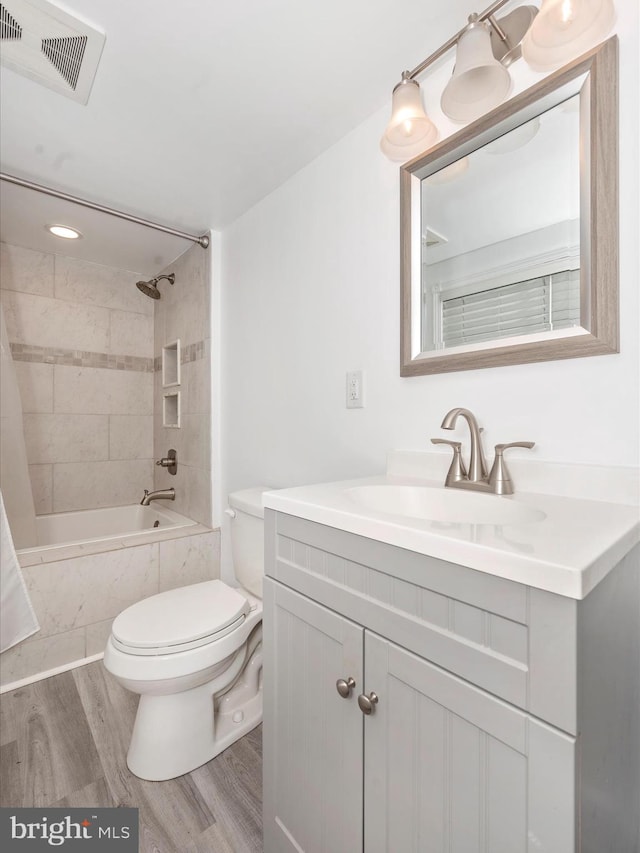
[(410, 130), (480, 81), (564, 29), (64, 231), (486, 46)]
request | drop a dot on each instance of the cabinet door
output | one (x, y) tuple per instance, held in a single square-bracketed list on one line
[(312, 736), (451, 768)]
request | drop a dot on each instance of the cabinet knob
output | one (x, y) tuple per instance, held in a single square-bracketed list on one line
[(345, 686), (366, 703)]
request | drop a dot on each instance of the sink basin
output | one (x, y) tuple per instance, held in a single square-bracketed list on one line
[(445, 505)]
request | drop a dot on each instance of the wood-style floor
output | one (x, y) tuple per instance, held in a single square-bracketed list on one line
[(63, 742)]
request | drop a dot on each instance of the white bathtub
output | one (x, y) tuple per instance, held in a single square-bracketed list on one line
[(88, 567), (64, 529)]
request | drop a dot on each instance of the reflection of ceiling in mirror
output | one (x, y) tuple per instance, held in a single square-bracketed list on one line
[(508, 189)]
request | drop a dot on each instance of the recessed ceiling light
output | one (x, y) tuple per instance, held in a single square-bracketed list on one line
[(64, 231)]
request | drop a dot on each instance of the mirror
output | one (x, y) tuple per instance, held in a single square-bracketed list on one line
[(509, 230)]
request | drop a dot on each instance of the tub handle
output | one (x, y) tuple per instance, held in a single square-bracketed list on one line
[(170, 462)]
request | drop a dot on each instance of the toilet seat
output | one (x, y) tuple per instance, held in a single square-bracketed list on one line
[(180, 619)]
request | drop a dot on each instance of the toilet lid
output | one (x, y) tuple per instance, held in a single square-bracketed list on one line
[(180, 616)]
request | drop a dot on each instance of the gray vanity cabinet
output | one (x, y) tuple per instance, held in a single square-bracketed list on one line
[(438, 764), (314, 750), (449, 767), (485, 737)]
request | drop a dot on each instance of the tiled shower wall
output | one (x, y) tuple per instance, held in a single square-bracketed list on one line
[(183, 314), (82, 342)]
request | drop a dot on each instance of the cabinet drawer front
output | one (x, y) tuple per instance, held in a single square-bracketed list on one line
[(450, 768), (312, 736), (492, 632)]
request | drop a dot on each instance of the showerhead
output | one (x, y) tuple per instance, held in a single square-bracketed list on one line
[(150, 288)]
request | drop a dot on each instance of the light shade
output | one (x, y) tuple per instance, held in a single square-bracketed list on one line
[(410, 131), (563, 29), (479, 82)]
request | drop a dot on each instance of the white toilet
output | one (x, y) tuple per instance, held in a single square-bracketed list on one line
[(194, 654)]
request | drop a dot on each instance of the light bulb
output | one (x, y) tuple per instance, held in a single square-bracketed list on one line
[(567, 12)]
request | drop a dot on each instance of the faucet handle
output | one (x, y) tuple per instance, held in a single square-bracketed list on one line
[(457, 471), (499, 478), (170, 462), (501, 447), (455, 444)]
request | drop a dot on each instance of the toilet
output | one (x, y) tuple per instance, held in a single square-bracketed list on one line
[(194, 654)]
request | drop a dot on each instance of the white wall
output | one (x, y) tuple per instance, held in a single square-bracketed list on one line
[(311, 290)]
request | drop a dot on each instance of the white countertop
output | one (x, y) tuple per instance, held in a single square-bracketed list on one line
[(568, 552)]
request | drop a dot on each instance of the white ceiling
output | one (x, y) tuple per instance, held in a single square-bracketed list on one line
[(108, 240), (201, 108)]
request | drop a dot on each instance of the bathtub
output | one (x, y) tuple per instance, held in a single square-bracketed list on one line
[(90, 565), (102, 528)]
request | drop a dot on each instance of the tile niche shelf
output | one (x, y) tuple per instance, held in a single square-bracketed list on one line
[(171, 409), (171, 364)]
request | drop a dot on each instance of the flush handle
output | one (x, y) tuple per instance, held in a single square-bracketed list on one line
[(345, 686), (367, 703), (170, 462)]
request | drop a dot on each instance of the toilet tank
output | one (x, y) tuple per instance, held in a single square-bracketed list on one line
[(247, 537)]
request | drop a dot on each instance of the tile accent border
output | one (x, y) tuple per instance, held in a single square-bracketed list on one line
[(188, 353), (80, 358)]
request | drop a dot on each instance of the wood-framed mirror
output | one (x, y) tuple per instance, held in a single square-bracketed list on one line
[(509, 230)]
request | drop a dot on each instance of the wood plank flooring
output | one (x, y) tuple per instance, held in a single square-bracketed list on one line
[(63, 742)]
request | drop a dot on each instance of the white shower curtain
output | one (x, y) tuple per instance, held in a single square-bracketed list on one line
[(17, 617), (14, 470)]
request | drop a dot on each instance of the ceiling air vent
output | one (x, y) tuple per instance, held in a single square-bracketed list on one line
[(66, 55), (41, 41), (10, 29)]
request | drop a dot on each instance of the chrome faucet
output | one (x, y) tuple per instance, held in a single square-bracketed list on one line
[(158, 495), (498, 481)]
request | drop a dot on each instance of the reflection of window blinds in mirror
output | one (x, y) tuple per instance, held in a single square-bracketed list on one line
[(537, 305)]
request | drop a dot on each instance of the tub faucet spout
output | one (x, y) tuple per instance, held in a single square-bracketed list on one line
[(158, 495)]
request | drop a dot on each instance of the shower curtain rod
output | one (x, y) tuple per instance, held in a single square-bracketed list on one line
[(20, 182)]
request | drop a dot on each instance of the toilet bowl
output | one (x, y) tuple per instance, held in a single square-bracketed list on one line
[(194, 654)]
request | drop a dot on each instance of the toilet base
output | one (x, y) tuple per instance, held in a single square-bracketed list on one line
[(175, 733)]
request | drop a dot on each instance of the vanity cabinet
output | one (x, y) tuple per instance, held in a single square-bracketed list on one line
[(476, 741), (313, 753), (437, 765)]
